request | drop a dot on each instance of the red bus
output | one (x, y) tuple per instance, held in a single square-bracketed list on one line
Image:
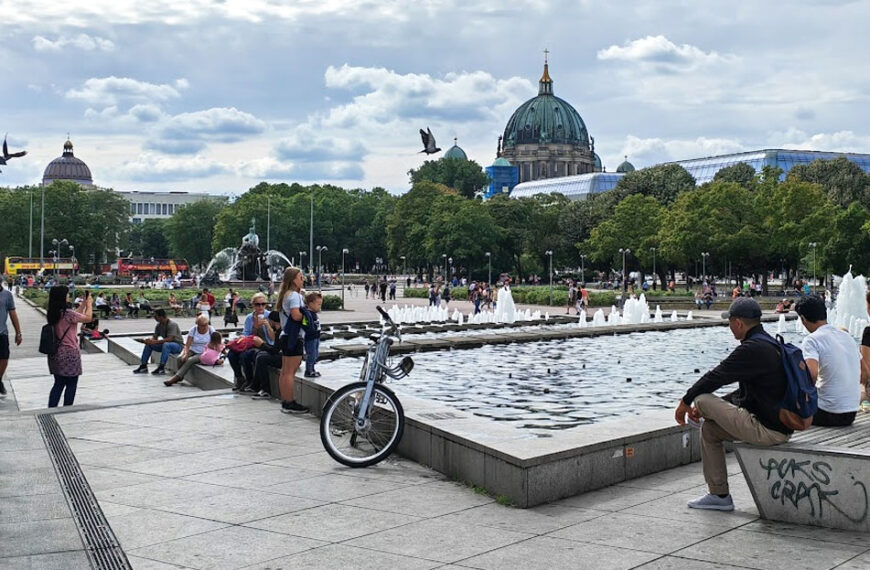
[(150, 266)]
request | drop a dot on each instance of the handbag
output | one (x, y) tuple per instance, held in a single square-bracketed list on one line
[(241, 344)]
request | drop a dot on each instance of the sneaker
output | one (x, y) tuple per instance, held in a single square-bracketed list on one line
[(2, 388), (865, 406), (247, 389), (262, 395), (293, 407), (309, 375), (712, 502), (143, 368), (159, 370)]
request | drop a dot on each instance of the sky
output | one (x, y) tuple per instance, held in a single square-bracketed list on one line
[(218, 95)]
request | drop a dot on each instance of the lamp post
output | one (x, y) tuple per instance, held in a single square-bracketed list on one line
[(268, 223), (320, 250), (444, 257), (301, 253), (704, 256), (42, 232), (57, 245), (489, 264), (311, 232), (813, 245), (344, 252), (624, 251), (583, 269), (449, 267), (549, 253), (72, 255), (653, 250), (404, 265)]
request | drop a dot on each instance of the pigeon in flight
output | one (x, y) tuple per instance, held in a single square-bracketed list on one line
[(428, 142), (6, 156)]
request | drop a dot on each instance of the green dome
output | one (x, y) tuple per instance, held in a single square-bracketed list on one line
[(545, 119), (455, 152), (597, 162), (501, 161), (625, 167)]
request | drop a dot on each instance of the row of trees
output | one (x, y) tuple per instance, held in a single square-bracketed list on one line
[(748, 223)]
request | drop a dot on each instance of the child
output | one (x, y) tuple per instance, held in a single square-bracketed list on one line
[(214, 352), (311, 326)]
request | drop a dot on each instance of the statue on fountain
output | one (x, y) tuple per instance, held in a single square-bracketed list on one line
[(247, 263)]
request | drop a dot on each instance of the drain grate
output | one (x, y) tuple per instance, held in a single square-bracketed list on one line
[(101, 545)]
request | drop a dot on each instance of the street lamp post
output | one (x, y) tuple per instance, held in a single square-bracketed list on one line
[(404, 265), (449, 267), (320, 250), (72, 257), (57, 245), (813, 245), (344, 252), (624, 251), (301, 254), (704, 256), (549, 253), (444, 257), (583, 269), (311, 232), (489, 264), (653, 250)]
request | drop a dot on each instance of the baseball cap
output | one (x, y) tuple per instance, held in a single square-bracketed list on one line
[(743, 308)]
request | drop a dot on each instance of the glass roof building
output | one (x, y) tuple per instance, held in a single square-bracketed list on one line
[(577, 187), (704, 169)]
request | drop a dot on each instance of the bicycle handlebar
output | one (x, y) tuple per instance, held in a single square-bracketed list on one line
[(384, 314)]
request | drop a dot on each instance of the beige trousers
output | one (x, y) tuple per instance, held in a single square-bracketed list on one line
[(726, 422)]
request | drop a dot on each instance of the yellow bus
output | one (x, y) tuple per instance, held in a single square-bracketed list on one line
[(32, 265)]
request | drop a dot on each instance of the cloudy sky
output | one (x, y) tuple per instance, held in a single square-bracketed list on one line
[(218, 95)]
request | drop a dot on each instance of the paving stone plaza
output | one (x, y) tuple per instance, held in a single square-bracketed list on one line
[(187, 478)]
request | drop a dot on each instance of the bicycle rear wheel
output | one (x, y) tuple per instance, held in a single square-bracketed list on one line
[(357, 446)]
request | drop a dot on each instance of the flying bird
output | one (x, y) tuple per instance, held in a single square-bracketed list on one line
[(6, 155), (428, 142)]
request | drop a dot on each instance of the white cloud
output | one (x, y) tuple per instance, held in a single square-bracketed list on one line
[(305, 145), (111, 90), (271, 168), (149, 167), (840, 141), (81, 41), (663, 54), (648, 151), (220, 123), (147, 113)]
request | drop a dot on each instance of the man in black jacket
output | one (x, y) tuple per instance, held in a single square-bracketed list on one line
[(750, 414)]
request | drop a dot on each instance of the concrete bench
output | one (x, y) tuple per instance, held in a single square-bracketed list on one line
[(820, 477)]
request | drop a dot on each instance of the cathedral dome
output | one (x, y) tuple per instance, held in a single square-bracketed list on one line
[(625, 167), (597, 166), (545, 119), (455, 152), (67, 167)]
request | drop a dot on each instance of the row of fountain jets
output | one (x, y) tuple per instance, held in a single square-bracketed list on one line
[(849, 312)]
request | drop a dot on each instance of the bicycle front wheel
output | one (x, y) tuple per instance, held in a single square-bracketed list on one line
[(361, 445)]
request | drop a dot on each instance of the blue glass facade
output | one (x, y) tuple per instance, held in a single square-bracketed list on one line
[(574, 187), (503, 179), (704, 169)]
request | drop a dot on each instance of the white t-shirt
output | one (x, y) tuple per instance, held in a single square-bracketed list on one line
[(200, 340), (292, 300), (839, 380)]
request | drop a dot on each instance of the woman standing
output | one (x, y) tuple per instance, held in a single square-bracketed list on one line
[(197, 339), (66, 363), (290, 303)]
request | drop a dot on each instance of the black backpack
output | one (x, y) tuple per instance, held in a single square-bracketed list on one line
[(48, 341)]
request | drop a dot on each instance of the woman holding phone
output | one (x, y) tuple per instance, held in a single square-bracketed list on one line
[(66, 363)]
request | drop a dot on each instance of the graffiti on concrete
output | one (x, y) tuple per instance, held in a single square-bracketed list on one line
[(810, 484)]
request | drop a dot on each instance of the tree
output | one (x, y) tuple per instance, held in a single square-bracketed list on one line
[(740, 173), (634, 225), (191, 231), (843, 180), (462, 230), (148, 239), (512, 219), (464, 176), (664, 182), (408, 223)]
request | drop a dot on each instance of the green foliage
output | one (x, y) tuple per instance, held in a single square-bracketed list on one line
[(148, 239), (740, 173), (464, 176), (664, 182), (634, 225), (191, 230), (843, 180), (331, 303)]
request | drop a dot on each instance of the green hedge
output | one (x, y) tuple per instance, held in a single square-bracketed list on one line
[(532, 295)]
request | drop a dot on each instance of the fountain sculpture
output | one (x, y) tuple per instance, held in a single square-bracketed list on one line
[(246, 263)]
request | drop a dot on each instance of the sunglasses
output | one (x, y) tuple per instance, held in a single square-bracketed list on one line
[(259, 304)]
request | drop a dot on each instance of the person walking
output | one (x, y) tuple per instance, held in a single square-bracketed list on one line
[(7, 311), (66, 363)]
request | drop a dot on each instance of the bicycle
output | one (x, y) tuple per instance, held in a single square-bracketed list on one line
[(363, 422)]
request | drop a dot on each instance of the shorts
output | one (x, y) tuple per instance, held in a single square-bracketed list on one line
[(4, 347), (291, 347)]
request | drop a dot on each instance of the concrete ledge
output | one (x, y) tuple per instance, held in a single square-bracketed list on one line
[(527, 469)]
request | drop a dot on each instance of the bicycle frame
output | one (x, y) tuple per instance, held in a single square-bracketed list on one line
[(376, 366)]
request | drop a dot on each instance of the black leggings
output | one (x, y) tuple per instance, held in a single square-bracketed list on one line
[(65, 384), (827, 419)]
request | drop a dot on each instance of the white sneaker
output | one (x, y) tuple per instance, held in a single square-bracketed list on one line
[(261, 395), (711, 502)]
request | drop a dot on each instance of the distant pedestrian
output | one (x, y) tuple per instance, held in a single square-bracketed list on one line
[(66, 363), (7, 309)]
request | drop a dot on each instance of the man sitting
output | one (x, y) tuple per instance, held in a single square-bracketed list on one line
[(834, 363), (750, 414), (167, 340)]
